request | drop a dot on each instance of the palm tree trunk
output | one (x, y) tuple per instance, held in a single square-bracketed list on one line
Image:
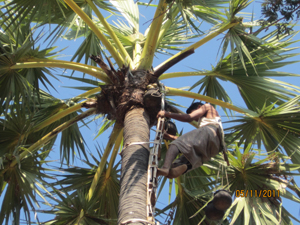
[(133, 193)]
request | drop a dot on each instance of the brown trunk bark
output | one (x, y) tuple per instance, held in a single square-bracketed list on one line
[(133, 193)]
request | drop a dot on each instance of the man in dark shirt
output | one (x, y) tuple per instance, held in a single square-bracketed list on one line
[(196, 146)]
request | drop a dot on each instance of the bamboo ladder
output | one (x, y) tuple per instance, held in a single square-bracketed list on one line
[(153, 163)]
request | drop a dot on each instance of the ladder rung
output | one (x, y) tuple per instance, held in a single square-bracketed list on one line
[(152, 171)]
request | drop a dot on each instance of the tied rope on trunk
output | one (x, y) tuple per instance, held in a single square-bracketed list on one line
[(152, 167), (162, 89)]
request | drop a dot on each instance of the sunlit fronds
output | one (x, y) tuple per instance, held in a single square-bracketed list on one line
[(210, 86), (152, 37), (191, 11), (254, 86), (16, 132), (256, 178), (17, 46), (129, 11), (89, 46), (236, 6), (22, 186), (215, 32), (175, 91), (105, 200), (71, 138), (54, 12), (175, 36), (274, 127), (74, 209)]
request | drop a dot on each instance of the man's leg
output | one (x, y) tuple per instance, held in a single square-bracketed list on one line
[(179, 167), (172, 152), (170, 156)]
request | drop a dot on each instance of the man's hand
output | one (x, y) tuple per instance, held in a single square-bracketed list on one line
[(161, 114), (169, 137)]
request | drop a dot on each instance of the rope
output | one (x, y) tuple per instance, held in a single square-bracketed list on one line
[(152, 165), (135, 221), (139, 143)]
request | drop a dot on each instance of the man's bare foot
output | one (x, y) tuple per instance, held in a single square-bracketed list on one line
[(162, 172), (177, 171)]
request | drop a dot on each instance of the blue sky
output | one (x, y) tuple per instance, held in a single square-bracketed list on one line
[(203, 58)]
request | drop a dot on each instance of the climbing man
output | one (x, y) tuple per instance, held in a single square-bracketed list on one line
[(197, 146)]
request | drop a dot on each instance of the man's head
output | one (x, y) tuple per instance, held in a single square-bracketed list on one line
[(193, 107)]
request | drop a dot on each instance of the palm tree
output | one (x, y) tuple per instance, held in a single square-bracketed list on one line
[(116, 61)]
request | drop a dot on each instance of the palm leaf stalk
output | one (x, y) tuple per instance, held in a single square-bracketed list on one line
[(196, 45), (67, 111), (153, 34), (112, 35), (178, 92), (115, 133), (167, 24), (58, 116), (33, 148), (88, 93), (114, 154), (41, 63), (114, 53)]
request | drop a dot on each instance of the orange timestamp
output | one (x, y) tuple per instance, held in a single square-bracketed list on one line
[(257, 193)]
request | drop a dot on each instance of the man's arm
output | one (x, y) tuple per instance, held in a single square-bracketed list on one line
[(169, 137), (195, 115)]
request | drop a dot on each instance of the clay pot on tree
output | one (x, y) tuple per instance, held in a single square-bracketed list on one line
[(212, 213), (170, 128), (222, 200)]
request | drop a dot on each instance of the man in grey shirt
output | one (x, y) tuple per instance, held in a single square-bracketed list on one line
[(197, 146)]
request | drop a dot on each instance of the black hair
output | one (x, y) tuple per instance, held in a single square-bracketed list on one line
[(193, 107)]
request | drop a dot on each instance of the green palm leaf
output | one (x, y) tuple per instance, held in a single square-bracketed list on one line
[(192, 10), (30, 118), (252, 87), (71, 137), (74, 210), (20, 186), (273, 127), (49, 12), (104, 202), (17, 46)]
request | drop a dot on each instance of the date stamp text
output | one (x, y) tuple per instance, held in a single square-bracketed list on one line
[(257, 193)]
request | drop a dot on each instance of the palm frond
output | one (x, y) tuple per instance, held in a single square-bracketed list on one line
[(178, 92), (251, 86), (106, 198), (71, 137), (17, 46), (274, 127), (193, 10), (50, 12), (260, 177), (21, 187), (129, 11), (174, 37), (249, 179), (74, 210)]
